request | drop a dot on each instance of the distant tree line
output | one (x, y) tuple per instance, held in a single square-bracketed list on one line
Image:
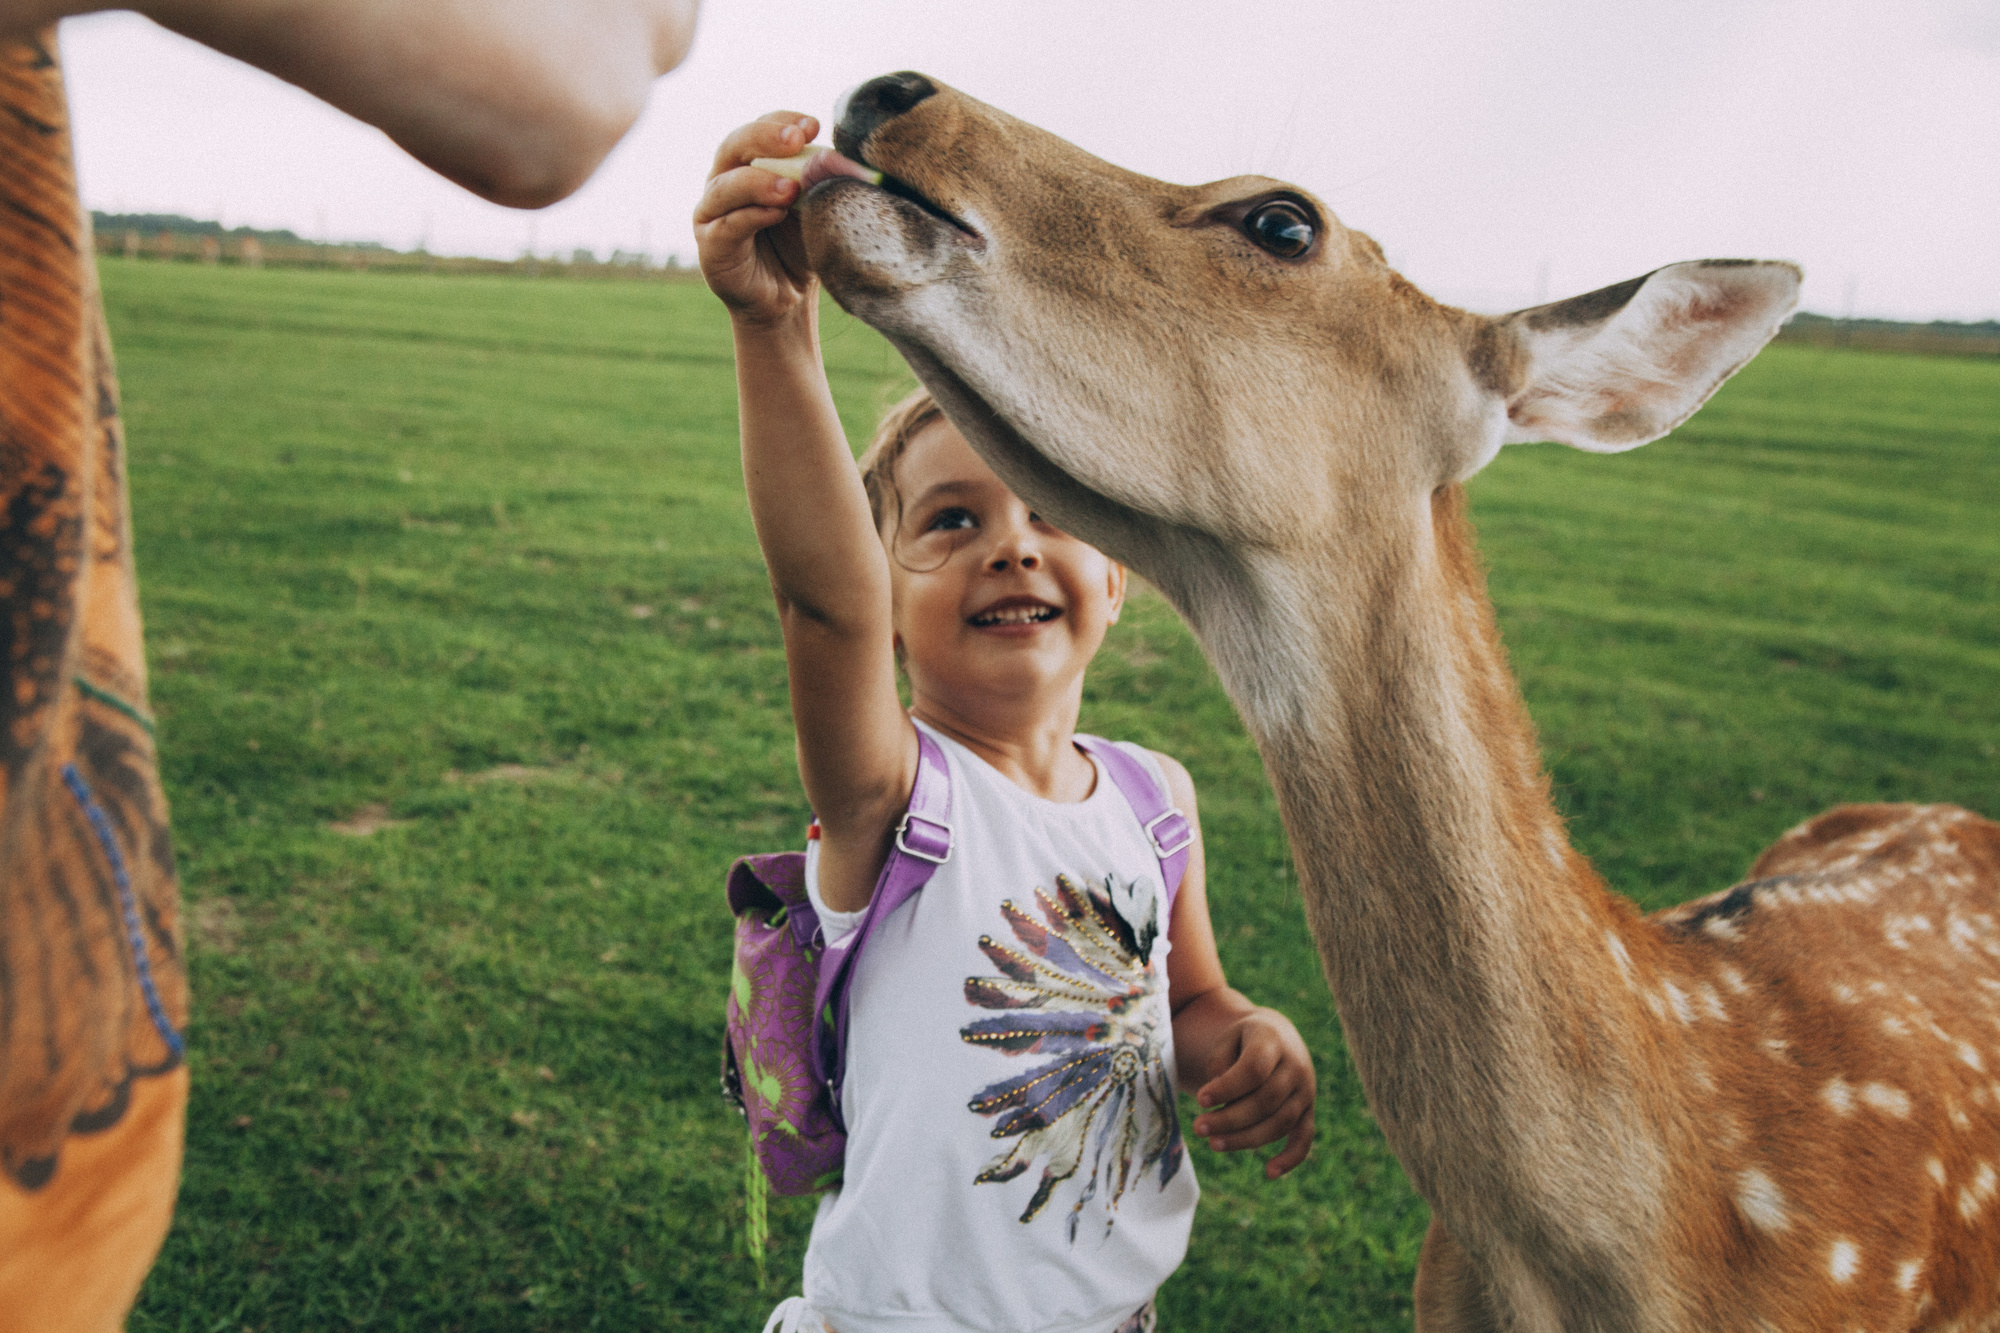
[(150, 225), (139, 235), (175, 238), (1938, 337)]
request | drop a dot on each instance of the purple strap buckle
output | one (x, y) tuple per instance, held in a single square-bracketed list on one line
[(1170, 833), (933, 838)]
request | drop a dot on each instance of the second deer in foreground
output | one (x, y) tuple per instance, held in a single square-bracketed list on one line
[(1774, 1109)]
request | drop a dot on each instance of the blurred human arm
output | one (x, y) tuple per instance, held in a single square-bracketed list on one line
[(516, 100)]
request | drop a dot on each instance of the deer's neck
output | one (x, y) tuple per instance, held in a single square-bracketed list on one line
[(1468, 948)]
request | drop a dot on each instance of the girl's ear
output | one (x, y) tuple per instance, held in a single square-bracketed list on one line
[(1114, 580)]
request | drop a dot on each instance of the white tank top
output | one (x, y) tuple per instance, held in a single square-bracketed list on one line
[(1014, 1159)]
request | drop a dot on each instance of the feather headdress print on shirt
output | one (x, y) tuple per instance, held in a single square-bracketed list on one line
[(1079, 986)]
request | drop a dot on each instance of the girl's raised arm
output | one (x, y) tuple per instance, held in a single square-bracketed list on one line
[(857, 748)]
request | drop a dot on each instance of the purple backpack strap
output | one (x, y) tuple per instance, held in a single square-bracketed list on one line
[(1170, 831), (923, 843)]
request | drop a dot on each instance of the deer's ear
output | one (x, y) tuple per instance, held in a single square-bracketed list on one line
[(1614, 368)]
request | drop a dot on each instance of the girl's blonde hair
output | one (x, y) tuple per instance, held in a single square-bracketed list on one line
[(898, 427)]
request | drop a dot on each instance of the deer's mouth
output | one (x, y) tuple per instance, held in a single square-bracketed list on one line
[(890, 185), (907, 200)]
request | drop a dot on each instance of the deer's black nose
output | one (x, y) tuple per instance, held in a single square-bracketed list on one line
[(863, 109)]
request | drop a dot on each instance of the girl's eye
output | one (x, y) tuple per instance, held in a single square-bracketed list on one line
[(950, 520)]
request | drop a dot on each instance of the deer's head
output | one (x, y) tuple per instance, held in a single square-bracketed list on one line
[(1226, 389), (1225, 366)]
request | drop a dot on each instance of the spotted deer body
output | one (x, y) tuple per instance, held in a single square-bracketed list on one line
[(1770, 1110), (93, 993)]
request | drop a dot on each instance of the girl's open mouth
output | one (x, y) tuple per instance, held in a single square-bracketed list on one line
[(1016, 613)]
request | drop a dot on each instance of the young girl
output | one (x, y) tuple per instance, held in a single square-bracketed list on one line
[(1008, 1168)]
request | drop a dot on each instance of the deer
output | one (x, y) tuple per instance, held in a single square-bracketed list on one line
[(1773, 1108)]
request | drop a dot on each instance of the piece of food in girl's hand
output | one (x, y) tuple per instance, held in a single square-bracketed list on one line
[(823, 163)]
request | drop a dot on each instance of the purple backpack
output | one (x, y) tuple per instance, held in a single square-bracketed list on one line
[(785, 1048)]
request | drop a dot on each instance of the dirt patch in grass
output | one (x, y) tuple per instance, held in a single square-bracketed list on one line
[(505, 773), (367, 821), (215, 925)]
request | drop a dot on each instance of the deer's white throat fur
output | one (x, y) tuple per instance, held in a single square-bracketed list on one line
[(1621, 1123)]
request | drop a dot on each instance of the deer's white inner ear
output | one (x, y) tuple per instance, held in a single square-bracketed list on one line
[(1615, 368)]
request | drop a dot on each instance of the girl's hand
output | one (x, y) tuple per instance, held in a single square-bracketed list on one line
[(1265, 1095), (751, 252)]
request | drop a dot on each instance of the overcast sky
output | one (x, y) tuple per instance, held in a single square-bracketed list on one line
[(1500, 153)]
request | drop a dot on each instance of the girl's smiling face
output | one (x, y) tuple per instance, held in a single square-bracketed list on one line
[(992, 605)]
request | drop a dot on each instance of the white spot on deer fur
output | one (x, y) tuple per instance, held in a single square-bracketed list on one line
[(1845, 993), (1734, 980), (1619, 955), (1722, 928), (1554, 846), (1974, 1197), (1887, 1100), (1898, 929), (1960, 932), (1906, 1274), (1776, 1047), (1895, 1026), (1677, 1000), (1971, 1057), (1760, 1201), (1843, 1260), (1935, 1169), (1712, 1002), (1838, 1095), (1959, 1119)]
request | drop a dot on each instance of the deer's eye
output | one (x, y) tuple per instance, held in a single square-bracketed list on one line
[(1281, 227)]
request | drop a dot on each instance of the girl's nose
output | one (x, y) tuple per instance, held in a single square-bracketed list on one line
[(1015, 542)]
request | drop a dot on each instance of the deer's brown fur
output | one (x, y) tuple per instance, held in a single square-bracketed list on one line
[(1776, 1109)]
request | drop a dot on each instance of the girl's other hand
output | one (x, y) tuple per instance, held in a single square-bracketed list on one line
[(1266, 1093), (751, 252)]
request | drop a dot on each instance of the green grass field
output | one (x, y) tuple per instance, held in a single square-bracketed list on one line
[(473, 553)]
